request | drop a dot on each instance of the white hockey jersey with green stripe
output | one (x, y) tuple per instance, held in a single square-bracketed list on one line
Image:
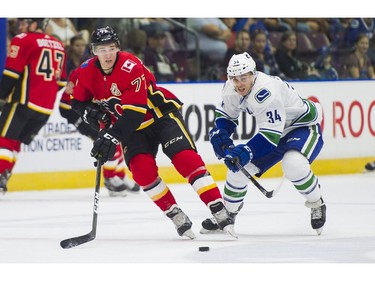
[(274, 103)]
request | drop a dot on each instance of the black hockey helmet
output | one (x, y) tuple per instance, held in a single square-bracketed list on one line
[(104, 35), (42, 22)]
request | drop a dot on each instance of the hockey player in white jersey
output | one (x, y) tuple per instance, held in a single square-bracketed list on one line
[(288, 130)]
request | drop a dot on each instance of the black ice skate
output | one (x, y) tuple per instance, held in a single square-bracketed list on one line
[(4, 177), (223, 220), (318, 214), (181, 222), (210, 226)]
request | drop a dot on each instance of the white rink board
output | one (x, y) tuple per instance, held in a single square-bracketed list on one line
[(349, 126)]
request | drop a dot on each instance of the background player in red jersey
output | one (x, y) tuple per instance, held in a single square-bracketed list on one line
[(115, 178), (34, 72), (146, 116)]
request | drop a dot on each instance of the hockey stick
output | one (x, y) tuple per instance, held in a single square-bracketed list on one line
[(268, 194), (76, 241)]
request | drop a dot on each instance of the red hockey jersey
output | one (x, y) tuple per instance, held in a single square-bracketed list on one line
[(130, 88), (34, 71)]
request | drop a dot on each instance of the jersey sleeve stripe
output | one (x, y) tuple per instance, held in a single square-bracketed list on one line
[(39, 108), (134, 108), (10, 73), (309, 116)]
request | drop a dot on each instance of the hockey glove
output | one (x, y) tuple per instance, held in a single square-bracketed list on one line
[(241, 154), (93, 115), (104, 146), (220, 141)]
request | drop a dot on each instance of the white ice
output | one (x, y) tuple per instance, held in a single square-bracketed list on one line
[(132, 230)]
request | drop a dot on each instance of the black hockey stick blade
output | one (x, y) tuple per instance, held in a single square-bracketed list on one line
[(268, 194), (76, 241)]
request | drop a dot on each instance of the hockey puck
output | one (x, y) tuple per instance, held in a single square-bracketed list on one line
[(204, 249)]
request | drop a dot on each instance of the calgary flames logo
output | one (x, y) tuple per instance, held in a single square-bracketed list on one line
[(113, 105), (115, 91)]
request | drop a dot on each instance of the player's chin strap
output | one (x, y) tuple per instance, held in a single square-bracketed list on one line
[(268, 194)]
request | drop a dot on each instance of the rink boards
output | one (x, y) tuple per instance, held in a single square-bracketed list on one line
[(59, 156)]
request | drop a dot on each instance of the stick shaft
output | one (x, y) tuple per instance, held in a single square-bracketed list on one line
[(76, 241)]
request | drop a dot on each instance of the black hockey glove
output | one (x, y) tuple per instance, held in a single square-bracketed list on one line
[(104, 146), (93, 115)]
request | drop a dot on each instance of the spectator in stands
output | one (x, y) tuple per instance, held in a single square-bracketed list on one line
[(213, 34), (148, 24), (64, 29), (358, 63), (136, 40), (157, 60), (356, 27), (77, 53), (288, 62), (337, 29), (276, 24), (230, 23), (249, 24), (241, 45), (264, 59), (326, 69), (307, 24)]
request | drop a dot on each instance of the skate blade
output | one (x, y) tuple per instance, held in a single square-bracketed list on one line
[(206, 231), (123, 193), (230, 230), (189, 234), (319, 230)]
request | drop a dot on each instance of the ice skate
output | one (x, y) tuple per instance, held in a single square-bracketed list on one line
[(223, 219), (318, 214), (4, 177), (116, 187), (181, 221), (210, 226), (131, 185)]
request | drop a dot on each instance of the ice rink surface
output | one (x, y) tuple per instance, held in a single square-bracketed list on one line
[(133, 235)]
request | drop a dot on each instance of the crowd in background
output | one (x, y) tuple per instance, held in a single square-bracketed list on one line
[(198, 49)]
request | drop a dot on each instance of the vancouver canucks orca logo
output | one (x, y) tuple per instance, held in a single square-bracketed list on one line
[(113, 105)]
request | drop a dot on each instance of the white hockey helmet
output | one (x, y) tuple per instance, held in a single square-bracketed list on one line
[(241, 64)]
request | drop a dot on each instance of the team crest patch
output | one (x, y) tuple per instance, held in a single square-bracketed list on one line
[(128, 65), (262, 95), (114, 90), (13, 51)]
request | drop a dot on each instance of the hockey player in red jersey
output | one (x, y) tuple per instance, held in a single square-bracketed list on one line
[(115, 178), (146, 116), (34, 72)]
